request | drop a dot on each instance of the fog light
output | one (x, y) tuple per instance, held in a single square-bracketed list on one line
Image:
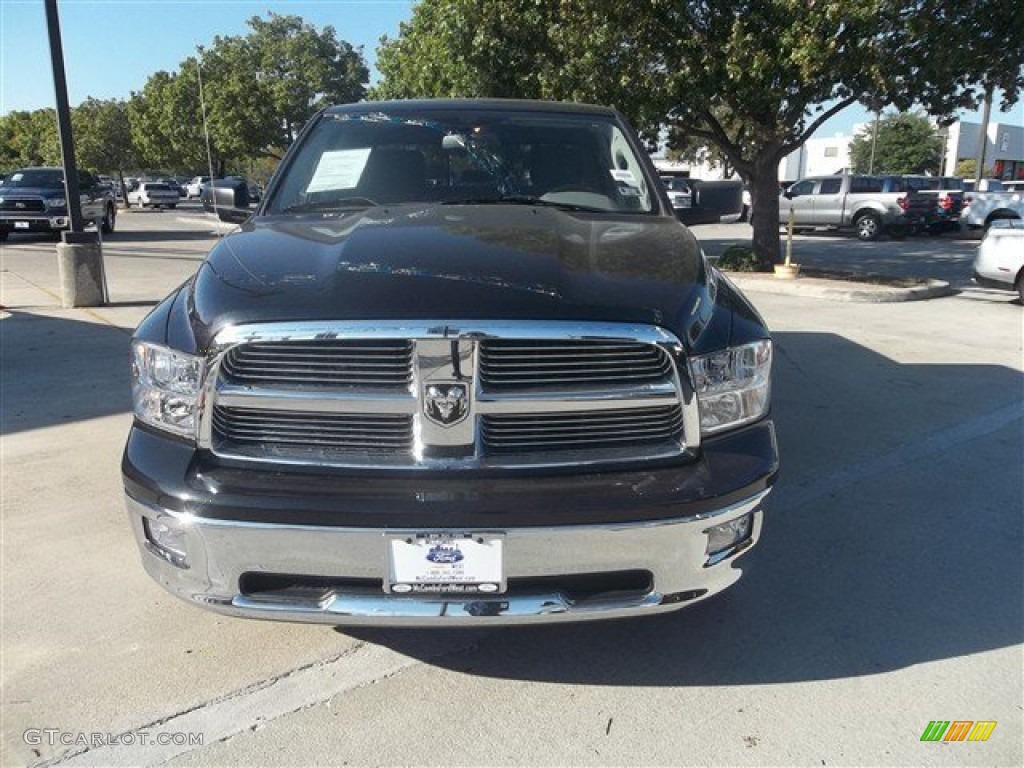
[(166, 541), (727, 538)]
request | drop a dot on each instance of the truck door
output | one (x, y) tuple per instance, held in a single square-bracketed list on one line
[(828, 202), (89, 194), (799, 197)]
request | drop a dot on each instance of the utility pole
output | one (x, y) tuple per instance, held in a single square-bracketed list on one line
[(67, 145), (874, 140), (79, 254), (983, 136)]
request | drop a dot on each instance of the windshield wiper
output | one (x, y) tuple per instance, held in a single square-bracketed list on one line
[(338, 204), (524, 200)]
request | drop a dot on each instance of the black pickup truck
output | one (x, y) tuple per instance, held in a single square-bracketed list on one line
[(461, 365), (33, 200)]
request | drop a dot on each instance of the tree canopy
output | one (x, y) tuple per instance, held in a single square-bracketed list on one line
[(259, 90), (906, 143), (103, 138), (29, 138), (751, 78)]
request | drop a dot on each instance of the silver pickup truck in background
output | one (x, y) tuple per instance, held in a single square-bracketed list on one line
[(868, 204), (989, 202)]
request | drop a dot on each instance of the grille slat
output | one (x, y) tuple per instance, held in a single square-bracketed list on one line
[(374, 364), (506, 365), (590, 430), (272, 430)]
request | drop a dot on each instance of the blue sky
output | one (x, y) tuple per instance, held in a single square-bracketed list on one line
[(112, 46)]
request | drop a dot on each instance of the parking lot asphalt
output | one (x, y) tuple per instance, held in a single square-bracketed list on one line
[(947, 257), (887, 591)]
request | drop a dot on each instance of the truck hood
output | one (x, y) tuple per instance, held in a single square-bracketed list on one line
[(449, 261)]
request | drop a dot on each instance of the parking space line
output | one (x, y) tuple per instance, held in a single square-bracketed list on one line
[(937, 443), (251, 707)]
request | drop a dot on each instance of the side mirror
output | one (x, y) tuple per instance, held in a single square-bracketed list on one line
[(228, 198)]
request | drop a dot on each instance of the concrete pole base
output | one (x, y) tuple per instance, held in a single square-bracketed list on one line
[(80, 266)]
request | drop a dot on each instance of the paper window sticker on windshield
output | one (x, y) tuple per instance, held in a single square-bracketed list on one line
[(339, 169), (16, 177), (623, 175)]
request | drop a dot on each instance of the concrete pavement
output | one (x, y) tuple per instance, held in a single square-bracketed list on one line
[(887, 591)]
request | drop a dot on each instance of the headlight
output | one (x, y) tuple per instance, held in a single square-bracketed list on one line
[(165, 387), (55, 202), (733, 386)]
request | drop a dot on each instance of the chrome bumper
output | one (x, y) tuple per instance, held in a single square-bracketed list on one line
[(36, 221), (219, 552)]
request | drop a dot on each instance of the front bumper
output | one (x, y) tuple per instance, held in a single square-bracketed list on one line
[(339, 570), (35, 223), (312, 547)]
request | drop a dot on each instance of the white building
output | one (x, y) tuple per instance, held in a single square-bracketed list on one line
[(1004, 154), (817, 157)]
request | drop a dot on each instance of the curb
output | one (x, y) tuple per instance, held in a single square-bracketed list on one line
[(839, 289)]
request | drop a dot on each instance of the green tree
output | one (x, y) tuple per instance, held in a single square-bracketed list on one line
[(29, 138), (967, 169), (272, 81), (258, 91), (906, 143), (751, 78), (164, 134), (103, 137)]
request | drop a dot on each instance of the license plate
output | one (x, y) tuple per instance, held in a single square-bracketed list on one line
[(461, 563), (21, 225)]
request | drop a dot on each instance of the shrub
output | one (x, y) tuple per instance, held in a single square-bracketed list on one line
[(738, 258)]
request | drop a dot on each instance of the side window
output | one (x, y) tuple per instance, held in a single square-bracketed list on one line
[(865, 184), (801, 188), (627, 173), (830, 186)]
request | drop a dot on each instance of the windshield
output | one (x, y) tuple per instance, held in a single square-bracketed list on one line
[(579, 162), (43, 177)]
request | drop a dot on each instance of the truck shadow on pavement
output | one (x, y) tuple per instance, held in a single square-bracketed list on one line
[(162, 236), (59, 370), (893, 538)]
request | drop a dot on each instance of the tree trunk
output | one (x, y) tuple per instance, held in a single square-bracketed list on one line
[(124, 187), (764, 213)]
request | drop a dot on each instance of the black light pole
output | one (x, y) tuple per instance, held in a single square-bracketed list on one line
[(67, 144), (83, 281)]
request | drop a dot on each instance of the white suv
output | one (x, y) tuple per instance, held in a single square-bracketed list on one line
[(195, 187), (1000, 260)]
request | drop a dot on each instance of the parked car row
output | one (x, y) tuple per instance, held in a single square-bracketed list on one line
[(895, 205)]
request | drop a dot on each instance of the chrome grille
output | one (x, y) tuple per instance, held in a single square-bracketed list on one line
[(366, 394), (22, 204), (516, 363), (583, 430), (349, 433), (372, 364)]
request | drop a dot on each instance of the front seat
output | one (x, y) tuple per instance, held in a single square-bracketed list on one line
[(557, 167), (394, 176)]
